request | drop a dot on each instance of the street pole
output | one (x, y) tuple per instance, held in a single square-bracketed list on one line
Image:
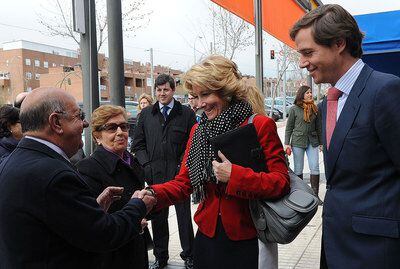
[(284, 82), (116, 54), (194, 48), (88, 45), (152, 73), (259, 45)]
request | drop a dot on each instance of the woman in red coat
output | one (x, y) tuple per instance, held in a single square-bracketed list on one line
[(226, 237)]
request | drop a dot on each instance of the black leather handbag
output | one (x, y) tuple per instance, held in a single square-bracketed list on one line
[(279, 220)]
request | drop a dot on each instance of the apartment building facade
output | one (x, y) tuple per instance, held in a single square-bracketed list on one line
[(22, 63), (26, 65)]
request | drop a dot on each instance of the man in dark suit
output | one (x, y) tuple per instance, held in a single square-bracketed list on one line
[(159, 143), (361, 127), (48, 217)]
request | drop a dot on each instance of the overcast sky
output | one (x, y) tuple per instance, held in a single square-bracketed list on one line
[(172, 31)]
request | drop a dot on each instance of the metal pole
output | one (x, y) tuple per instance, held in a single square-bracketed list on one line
[(194, 51), (152, 73), (319, 93), (309, 82), (115, 51), (88, 45), (284, 95), (259, 45)]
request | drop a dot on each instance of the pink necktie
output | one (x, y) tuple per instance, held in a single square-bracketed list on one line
[(331, 113)]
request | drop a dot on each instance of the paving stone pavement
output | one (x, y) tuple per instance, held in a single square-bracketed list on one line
[(302, 253)]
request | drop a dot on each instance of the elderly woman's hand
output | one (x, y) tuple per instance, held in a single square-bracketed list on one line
[(222, 170), (108, 196)]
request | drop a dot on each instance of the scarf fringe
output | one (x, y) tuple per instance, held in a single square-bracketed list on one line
[(198, 195)]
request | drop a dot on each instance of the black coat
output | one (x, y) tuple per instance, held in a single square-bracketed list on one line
[(103, 169), (50, 219), (159, 145), (7, 145)]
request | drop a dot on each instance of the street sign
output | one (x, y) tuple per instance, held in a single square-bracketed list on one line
[(78, 14)]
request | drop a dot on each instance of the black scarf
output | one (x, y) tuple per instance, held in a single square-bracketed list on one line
[(202, 153)]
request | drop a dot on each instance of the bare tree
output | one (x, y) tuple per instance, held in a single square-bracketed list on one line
[(287, 58), (226, 32), (57, 19)]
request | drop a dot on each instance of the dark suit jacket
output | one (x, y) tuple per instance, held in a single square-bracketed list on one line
[(48, 216), (159, 145), (103, 169), (361, 216)]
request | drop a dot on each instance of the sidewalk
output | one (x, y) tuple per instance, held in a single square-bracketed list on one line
[(302, 253)]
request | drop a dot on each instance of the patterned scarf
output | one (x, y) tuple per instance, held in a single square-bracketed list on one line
[(202, 153), (309, 109)]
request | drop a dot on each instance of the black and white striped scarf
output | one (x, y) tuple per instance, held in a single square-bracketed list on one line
[(202, 153)]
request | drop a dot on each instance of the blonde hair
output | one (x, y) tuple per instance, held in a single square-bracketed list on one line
[(102, 114), (145, 96), (221, 75)]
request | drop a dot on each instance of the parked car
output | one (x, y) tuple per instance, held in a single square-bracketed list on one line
[(276, 114), (278, 104)]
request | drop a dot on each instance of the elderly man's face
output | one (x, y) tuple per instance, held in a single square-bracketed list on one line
[(73, 124)]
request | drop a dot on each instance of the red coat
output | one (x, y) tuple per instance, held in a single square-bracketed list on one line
[(232, 204)]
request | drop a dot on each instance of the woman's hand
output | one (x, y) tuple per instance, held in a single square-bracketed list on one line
[(108, 196), (222, 170), (288, 150)]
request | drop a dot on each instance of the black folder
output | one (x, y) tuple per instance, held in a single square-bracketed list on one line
[(241, 146)]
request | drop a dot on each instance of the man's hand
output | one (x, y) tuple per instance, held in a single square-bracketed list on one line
[(108, 196), (147, 197), (222, 170)]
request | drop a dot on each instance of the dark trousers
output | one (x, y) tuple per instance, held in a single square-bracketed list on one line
[(161, 232)]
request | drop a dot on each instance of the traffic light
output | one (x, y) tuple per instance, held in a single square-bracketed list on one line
[(272, 54)]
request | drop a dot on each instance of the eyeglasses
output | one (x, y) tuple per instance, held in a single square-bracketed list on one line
[(80, 115), (113, 127)]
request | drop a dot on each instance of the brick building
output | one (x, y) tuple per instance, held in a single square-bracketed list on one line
[(26, 65), (22, 63)]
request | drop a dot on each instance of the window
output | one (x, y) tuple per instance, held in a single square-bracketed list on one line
[(29, 89), (37, 76), (28, 75), (37, 63), (54, 65), (46, 64), (27, 61)]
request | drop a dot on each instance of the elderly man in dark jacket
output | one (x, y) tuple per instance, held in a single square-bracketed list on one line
[(159, 143), (48, 216)]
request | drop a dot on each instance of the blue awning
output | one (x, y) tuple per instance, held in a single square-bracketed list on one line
[(381, 44)]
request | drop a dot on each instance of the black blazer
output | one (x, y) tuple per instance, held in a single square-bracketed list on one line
[(103, 169), (361, 216), (159, 145), (48, 216)]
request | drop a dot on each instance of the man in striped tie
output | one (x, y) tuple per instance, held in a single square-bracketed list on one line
[(361, 128)]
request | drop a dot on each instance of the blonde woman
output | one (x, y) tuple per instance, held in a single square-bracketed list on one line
[(226, 236), (144, 100)]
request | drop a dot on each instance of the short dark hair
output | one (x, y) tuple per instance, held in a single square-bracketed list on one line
[(300, 95), (9, 115), (330, 23), (35, 118), (163, 79)]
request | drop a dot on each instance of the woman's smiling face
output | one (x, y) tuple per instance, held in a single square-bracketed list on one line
[(209, 101)]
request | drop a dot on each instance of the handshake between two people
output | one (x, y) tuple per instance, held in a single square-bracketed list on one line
[(111, 194)]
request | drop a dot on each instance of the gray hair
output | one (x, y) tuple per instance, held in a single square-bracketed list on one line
[(36, 117)]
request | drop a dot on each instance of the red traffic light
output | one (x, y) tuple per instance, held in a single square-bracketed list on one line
[(272, 54)]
